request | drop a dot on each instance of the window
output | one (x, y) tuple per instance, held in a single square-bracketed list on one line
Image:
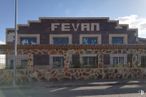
[(28, 40), (60, 40), (41, 59), (58, 62), (89, 61), (11, 62), (117, 40), (24, 62), (118, 59), (89, 40)]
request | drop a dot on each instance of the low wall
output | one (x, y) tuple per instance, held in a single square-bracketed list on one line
[(72, 74)]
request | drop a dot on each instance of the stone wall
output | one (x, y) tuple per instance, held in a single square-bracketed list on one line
[(24, 76)]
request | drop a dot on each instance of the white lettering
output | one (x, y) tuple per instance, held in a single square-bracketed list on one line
[(85, 27), (75, 27), (94, 27), (65, 27), (54, 26)]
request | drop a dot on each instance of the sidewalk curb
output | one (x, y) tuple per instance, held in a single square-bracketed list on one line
[(106, 84), (73, 84), (100, 83)]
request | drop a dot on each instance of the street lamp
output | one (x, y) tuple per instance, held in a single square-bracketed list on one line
[(15, 47)]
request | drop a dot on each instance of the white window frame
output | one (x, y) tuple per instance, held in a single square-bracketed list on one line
[(86, 55), (118, 55), (61, 35), (139, 58), (125, 38), (51, 59), (29, 35), (90, 35)]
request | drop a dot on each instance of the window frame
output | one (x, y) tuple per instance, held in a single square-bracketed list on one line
[(118, 42), (88, 55), (140, 58), (90, 35), (51, 61), (125, 38), (61, 35), (20, 57), (112, 56), (37, 36)]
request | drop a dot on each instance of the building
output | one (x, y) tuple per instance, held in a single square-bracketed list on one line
[(76, 48), (86, 42)]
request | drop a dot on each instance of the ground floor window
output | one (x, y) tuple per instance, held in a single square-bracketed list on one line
[(57, 61), (24, 62), (89, 61), (118, 59), (40, 59)]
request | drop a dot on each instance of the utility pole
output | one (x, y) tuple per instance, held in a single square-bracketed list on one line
[(15, 47)]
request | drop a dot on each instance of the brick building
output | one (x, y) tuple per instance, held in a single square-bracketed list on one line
[(73, 42)]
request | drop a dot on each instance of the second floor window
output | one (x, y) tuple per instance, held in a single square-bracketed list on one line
[(89, 40), (117, 40), (28, 40), (60, 40)]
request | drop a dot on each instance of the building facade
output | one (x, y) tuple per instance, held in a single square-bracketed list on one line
[(76, 42)]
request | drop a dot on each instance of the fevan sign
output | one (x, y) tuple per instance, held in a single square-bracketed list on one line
[(74, 26)]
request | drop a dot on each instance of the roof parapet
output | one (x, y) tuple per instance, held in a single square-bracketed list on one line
[(74, 18)]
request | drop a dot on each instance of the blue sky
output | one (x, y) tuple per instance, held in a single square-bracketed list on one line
[(127, 11)]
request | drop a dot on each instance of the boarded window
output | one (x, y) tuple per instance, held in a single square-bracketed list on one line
[(106, 59), (75, 61), (129, 58), (41, 59), (143, 61)]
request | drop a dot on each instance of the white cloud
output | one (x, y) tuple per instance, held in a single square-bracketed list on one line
[(2, 42), (135, 21)]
